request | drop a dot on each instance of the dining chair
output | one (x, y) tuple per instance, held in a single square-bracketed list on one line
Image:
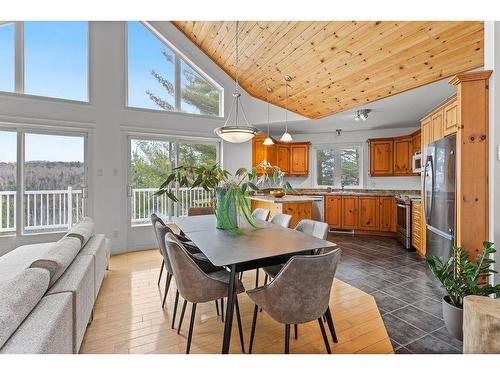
[(283, 220), (198, 211), (261, 214), (196, 286), (299, 293)]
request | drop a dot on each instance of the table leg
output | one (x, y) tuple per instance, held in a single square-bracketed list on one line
[(229, 311)]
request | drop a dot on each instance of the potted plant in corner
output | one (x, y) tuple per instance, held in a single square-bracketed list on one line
[(460, 278), (232, 206)]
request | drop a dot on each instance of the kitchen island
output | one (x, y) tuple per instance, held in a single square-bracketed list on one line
[(298, 206)]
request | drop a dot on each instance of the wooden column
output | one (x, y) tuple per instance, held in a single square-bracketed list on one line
[(481, 325), (472, 160)]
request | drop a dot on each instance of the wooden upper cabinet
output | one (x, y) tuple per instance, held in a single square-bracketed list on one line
[(450, 114), (387, 214), (334, 211), (283, 152), (368, 213), (437, 126), (261, 152), (416, 140), (426, 126), (381, 161), (299, 159), (350, 212), (403, 148)]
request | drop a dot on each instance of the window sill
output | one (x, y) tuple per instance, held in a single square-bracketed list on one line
[(44, 98), (126, 107)]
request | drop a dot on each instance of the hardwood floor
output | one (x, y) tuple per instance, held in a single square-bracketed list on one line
[(128, 318)]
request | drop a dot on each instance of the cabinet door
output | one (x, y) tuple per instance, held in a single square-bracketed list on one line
[(387, 214), (416, 142), (450, 113), (283, 152), (402, 152), (261, 152), (334, 211), (437, 126), (349, 212), (381, 162), (426, 136), (416, 226), (368, 213), (299, 159)]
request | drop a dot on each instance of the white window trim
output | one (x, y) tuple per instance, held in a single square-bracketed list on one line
[(337, 173), (177, 63), (19, 68)]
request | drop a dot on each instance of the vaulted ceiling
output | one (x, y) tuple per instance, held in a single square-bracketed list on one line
[(338, 65)]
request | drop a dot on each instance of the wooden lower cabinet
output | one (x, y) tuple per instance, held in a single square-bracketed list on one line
[(350, 212), (387, 214), (368, 213), (416, 227), (333, 211)]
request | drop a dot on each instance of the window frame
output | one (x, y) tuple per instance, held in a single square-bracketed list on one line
[(178, 57), (337, 174), (19, 68)]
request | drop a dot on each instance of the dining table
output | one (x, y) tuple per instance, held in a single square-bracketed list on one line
[(252, 247)]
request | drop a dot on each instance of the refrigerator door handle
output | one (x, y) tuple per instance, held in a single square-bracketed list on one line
[(429, 168), (440, 233)]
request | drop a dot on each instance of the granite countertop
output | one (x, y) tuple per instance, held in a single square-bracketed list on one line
[(358, 192), (286, 199)]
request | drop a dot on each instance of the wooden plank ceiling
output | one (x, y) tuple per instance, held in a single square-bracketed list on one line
[(338, 65)]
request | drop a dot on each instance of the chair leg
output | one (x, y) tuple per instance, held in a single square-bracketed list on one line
[(182, 316), (329, 320), (191, 326), (175, 307), (217, 307), (238, 318), (241, 276), (167, 286), (252, 333), (161, 271), (257, 278), (295, 331), (265, 279), (287, 338), (222, 309), (323, 333)]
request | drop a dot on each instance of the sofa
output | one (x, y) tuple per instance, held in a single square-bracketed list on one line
[(48, 291)]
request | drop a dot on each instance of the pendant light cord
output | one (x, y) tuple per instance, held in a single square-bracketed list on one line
[(286, 106), (237, 57)]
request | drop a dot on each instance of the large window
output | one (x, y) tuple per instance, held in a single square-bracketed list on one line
[(150, 162), (53, 62), (8, 182), (160, 78), (339, 166)]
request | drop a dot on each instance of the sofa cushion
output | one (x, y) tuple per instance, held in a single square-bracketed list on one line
[(96, 247), (58, 257), (79, 280), (19, 259), (83, 230), (18, 296), (46, 330)]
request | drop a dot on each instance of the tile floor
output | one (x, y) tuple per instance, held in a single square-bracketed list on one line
[(409, 303)]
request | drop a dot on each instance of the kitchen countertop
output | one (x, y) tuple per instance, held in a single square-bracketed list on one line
[(286, 199), (359, 192)]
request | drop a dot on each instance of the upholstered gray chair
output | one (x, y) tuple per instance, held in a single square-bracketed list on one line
[(198, 211), (196, 286), (300, 293), (283, 220), (260, 214)]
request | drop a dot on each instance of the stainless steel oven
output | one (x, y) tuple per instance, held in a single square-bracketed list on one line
[(403, 205)]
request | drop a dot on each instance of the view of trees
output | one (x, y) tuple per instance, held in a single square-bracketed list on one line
[(197, 94), (349, 163), (325, 166), (327, 163)]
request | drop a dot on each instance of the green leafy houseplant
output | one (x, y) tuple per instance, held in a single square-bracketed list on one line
[(460, 277), (230, 191), (271, 177)]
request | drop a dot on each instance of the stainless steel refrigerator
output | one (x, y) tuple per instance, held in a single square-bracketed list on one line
[(440, 197)]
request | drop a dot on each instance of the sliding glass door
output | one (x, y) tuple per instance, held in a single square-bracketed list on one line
[(8, 182)]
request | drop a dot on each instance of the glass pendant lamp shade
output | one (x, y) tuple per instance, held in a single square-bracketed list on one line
[(268, 142), (286, 137), (236, 134)]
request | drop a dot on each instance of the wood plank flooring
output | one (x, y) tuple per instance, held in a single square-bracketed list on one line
[(128, 318)]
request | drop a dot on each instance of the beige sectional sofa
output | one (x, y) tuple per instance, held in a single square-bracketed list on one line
[(48, 291)]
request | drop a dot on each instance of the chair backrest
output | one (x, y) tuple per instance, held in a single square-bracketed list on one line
[(193, 284), (161, 231), (282, 220), (314, 228), (156, 219), (300, 292), (260, 214), (197, 211)]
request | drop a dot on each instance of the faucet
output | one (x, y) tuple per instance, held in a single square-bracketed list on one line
[(342, 185)]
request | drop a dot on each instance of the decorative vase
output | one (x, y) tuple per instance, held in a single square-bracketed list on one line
[(453, 318), (220, 194)]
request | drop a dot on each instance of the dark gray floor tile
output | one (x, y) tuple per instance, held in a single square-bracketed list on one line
[(410, 271), (402, 350), (401, 331), (419, 318), (360, 284), (431, 345), (386, 302), (404, 294), (431, 306), (445, 336)]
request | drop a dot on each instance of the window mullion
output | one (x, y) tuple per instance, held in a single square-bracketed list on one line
[(177, 89), (337, 174), (20, 183), (19, 57)]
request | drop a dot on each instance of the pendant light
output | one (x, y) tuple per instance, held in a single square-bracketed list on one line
[(236, 133), (286, 137), (268, 141)]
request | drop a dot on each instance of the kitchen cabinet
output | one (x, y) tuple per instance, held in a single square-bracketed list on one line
[(403, 147), (450, 114), (349, 212), (333, 211), (261, 152), (368, 213), (283, 163), (387, 214), (381, 158), (416, 227), (437, 125), (416, 140), (299, 159)]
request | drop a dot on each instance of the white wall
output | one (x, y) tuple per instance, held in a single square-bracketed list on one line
[(356, 137), (492, 61), (108, 121)]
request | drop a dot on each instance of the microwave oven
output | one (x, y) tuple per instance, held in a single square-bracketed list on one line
[(417, 162)]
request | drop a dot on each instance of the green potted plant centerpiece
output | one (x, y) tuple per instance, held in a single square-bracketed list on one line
[(460, 278)]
